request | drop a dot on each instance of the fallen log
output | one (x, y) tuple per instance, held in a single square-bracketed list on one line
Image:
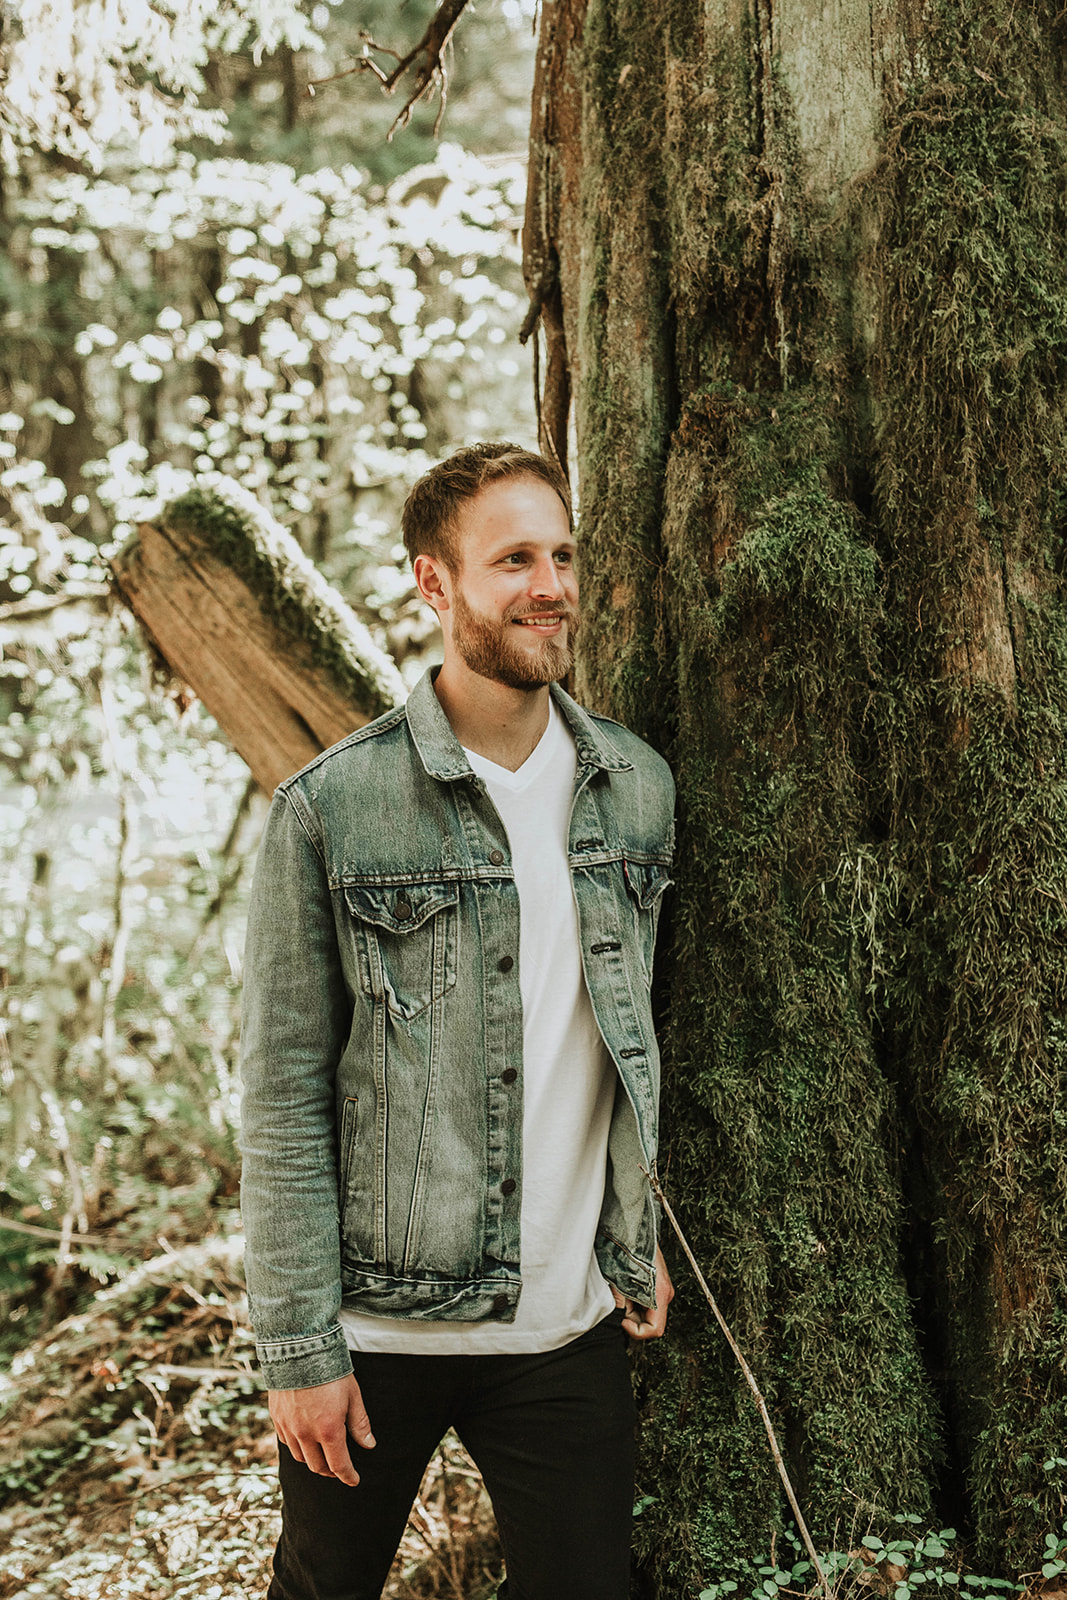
[(240, 614)]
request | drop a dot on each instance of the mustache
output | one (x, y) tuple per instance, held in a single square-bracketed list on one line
[(559, 610)]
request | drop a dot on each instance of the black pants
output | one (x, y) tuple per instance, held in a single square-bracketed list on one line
[(552, 1436)]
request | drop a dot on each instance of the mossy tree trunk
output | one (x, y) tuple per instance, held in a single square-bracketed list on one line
[(802, 268)]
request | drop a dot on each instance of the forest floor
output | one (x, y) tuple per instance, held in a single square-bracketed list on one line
[(137, 1458)]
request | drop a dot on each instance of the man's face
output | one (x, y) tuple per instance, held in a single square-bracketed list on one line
[(514, 594)]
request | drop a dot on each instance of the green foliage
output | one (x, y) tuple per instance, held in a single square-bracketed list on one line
[(139, 83), (269, 118), (312, 345), (318, 341), (907, 1564)]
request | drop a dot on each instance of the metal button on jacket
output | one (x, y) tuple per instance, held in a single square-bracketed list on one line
[(403, 909), (505, 963), (508, 1186), (508, 1075), (497, 857), (500, 1305)]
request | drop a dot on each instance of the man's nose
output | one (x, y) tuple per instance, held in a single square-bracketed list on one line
[(546, 580)]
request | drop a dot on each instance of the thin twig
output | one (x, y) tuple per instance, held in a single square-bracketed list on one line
[(123, 778), (51, 1233), (749, 1379), (431, 75)]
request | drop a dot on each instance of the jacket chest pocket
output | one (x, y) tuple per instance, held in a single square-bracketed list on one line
[(406, 937), (645, 883)]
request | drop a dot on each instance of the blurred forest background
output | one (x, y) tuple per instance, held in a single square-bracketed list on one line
[(270, 289)]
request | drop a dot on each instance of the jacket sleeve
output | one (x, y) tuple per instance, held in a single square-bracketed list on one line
[(296, 1017)]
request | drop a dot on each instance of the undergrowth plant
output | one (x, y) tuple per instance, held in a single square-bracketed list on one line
[(912, 1562)]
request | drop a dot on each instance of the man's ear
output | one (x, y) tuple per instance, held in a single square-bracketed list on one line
[(431, 576)]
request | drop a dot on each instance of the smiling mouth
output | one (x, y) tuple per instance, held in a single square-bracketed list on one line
[(548, 619)]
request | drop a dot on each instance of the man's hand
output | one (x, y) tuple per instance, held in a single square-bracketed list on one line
[(314, 1425), (640, 1322)]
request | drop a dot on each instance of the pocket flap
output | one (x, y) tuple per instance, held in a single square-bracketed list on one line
[(399, 908), (646, 882)]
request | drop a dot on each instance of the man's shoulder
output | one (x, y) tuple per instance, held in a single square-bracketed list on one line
[(631, 744), (635, 752), (361, 750)]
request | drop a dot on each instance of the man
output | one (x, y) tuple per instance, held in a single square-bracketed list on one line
[(451, 1077)]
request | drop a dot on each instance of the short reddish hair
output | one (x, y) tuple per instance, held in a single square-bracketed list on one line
[(428, 520)]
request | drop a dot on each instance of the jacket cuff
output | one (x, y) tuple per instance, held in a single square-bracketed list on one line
[(305, 1363)]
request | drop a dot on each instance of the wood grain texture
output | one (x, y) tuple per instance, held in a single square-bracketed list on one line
[(258, 680)]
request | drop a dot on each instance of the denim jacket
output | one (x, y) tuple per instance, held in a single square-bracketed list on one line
[(382, 1031)]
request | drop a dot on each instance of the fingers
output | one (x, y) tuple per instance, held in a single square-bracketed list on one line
[(633, 1313), (325, 1455), (664, 1286), (358, 1420), (314, 1425), (338, 1462), (644, 1322)]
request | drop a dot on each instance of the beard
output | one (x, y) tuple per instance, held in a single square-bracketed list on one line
[(489, 649)]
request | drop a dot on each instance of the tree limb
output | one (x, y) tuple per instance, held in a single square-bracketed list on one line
[(431, 74), (51, 1233)]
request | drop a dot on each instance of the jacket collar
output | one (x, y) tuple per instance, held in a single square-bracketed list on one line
[(442, 754), (595, 749)]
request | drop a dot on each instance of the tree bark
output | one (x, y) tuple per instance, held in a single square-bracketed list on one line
[(240, 615), (800, 264)]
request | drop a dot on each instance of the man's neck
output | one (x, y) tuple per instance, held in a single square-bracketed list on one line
[(502, 724)]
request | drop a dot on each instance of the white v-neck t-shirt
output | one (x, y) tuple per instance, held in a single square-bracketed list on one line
[(568, 1086)]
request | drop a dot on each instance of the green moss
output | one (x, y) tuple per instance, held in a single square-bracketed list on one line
[(969, 485), (975, 1009), (972, 356), (780, 1157), (293, 593), (824, 503)]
